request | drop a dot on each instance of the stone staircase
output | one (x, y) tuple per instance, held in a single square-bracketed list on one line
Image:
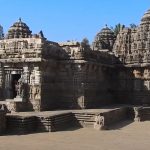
[(61, 122), (85, 119)]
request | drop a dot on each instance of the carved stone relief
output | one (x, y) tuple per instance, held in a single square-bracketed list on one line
[(99, 122)]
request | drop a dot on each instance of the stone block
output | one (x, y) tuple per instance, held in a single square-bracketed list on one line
[(2, 122)]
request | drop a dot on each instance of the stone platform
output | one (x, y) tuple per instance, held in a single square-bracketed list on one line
[(142, 113), (50, 121)]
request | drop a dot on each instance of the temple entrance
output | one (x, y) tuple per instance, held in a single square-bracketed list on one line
[(15, 78)]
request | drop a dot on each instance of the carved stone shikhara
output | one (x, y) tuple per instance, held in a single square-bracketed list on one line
[(132, 44)]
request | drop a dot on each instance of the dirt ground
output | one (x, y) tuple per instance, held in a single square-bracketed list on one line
[(125, 136)]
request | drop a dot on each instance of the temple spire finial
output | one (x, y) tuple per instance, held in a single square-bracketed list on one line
[(19, 19)]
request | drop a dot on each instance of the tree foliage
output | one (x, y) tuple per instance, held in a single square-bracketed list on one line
[(85, 44), (132, 25), (117, 28), (1, 32)]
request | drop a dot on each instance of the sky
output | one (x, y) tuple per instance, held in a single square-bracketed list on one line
[(62, 20)]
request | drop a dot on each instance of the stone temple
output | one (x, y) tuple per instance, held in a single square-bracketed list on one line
[(38, 75)]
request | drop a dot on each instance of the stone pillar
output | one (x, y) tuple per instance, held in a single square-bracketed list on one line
[(37, 75), (35, 89), (7, 85), (26, 74), (10, 84)]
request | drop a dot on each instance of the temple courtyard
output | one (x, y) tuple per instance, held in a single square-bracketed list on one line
[(124, 136)]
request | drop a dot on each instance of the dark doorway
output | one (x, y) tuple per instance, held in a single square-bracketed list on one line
[(15, 78)]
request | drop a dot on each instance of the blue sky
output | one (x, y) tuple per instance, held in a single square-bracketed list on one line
[(63, 20)]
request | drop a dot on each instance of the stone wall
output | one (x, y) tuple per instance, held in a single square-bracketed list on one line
[(2, 121), (49, 91), (68, 84), (83, 85), (124, 86), (98, 89), (133, 86), (142, 113)]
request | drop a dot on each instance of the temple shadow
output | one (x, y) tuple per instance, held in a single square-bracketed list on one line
[(71, 128), (120, 125)]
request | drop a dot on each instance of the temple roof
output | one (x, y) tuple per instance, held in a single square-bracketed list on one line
[(104, 39), (106, 33), (19, 30), (146, 17)]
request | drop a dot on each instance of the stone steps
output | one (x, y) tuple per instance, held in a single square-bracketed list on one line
[(65, 120), (61, 122), (85, 119), (44, 124)]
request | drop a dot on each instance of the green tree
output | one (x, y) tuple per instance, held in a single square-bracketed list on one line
[(117, 28), (132, 25), (1, 32), (85, 44)]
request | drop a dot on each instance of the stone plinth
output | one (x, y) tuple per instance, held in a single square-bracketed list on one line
[(142, 113), (15, 106), (105, 120), (2, 122), (18, 99)]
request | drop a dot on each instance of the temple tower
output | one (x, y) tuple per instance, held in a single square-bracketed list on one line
[(104, 40)]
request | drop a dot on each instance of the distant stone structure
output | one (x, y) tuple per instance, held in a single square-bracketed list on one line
[(37, 74)]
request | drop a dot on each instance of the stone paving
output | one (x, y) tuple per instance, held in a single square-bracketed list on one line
[(125, 136)]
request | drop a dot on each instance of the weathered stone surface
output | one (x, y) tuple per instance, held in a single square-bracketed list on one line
[(2, 121), (46, 75), (105, 120)]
